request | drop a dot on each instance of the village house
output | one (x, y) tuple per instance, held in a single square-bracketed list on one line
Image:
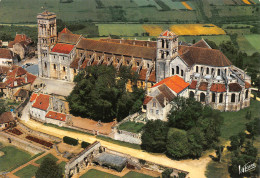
[(47, 109), (158, 101), (6, 120), (20, 45), (7, 57), (212, 78), (16, 81)]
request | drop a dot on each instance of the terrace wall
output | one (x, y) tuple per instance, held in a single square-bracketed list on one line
[(25, 145), (40, 134)]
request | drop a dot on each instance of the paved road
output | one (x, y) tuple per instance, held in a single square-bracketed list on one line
[(58, 87), (196, 168)]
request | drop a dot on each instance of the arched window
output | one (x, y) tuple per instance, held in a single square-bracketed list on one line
[(137, 63), (212, 70), (213, 97), (246, 94), (191, 94), (172, 71), (207, 70), (197, 69), (201, 69), (148, 65), (202, 97), (218, 72), (162, 43), (233, 98), (167, 53), (167, 43), (162, 54), (154, 104), (225, 71), (117, 60), (181, 72), (75, 70), (221, 98), (177, 69)]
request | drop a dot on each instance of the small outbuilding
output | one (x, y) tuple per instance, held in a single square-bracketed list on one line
[(6, 120)]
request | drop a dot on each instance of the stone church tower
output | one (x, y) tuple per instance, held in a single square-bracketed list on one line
[(47, 37), (167, 50)]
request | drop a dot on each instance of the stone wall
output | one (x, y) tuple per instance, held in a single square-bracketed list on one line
[(40, 134), (129, 137), (25, 145)]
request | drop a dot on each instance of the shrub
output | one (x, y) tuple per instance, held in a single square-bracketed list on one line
[(84, 144), (70, 141)]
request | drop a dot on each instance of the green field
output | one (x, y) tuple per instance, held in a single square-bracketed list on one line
[(131, 127), (254, 40), (39, 161), (27, 172), (13, 158), (246, 46), (120, 29), (99, 174), (62, 165), (216, 38)]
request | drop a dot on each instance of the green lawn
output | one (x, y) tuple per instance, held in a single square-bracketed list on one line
[(62, 165), (234, 122), (131, 126), (13, 158), (39, 161), (245, 45), (27, 172), (99, 174), (254, 40)]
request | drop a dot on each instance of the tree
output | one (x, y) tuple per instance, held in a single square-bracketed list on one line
[(167, 173), (212, 44), (177, 144), (253, 127), (154, 136), (100, 93), (49, 169), (219, 151), (196, 141)]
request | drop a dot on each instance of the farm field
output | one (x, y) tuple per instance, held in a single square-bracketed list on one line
[(197, 29), (120, 29), (246, 46), (27, 172), (216, 38), (253, 39), (13, 158)]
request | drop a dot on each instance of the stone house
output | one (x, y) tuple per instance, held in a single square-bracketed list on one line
[(16, 79), (20, 45), (48, 109), (6, 120), (7, 57), (158, 101)]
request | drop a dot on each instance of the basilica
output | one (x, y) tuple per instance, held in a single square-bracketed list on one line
[(167, 68)]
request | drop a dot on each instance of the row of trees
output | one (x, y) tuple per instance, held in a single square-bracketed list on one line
[(100, 93), (191, 129)]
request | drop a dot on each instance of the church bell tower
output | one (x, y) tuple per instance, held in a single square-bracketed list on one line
[(167, 50), (47, 38)]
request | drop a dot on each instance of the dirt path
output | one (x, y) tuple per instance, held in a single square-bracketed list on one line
[(196, 168)]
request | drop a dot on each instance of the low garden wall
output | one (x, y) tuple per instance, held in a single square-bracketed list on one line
[(40, 134), (25, 145), (129, 137)]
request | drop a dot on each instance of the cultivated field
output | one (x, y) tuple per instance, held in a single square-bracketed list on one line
[(197, 29), (120, 29), (249, 43)]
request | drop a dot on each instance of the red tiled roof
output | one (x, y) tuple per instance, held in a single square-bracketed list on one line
[(17, 71), (42, 102), (203, 86), (175, 83), (11, 82), (152, 77), (196, 55), (235, 87), (65, 30), (30, 78), (62, 48), (6, 53), (193, 84), (247, 85), (202, 44), (147, 99), (22, 93), (20, 38), (56, 115), (217, 87), (142, 74), (33, 97), (167, 33)]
